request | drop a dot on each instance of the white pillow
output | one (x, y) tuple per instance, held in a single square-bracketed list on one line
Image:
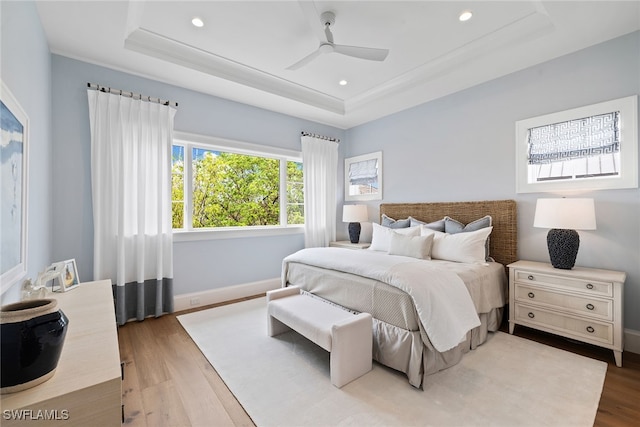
[(411, 246), (381, 237), (460, 247)]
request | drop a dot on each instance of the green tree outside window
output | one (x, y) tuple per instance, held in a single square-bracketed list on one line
[(235, 190)]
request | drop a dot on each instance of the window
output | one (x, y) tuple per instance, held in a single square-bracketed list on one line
[(177, 186), (581, 148), (588, 148), (219, 184), (295, 193)]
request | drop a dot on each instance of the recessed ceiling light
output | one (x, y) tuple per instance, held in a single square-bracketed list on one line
[(343, 82), (197, 22), (465, 15)]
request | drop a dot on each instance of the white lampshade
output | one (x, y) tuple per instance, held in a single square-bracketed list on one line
[(354, 213), (567, 214)]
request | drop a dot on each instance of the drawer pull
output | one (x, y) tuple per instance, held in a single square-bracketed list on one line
[(531, 316), (530, 277), (590, 329), (589, 286), (590, 307), (531, 295)]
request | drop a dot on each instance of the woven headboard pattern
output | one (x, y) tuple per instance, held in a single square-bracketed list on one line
[(503, 245)]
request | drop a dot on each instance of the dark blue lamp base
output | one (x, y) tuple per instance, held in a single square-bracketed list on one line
[(563, 247), (354, 232)]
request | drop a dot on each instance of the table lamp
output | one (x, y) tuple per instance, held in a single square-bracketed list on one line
[(354, 215), (563, 217)]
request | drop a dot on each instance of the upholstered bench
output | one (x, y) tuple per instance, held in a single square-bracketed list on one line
[(347, 336)]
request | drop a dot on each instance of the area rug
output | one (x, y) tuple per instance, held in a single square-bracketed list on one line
[(284, 380)]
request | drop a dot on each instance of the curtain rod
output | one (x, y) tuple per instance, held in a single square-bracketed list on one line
[(130, 94), (326, 138)]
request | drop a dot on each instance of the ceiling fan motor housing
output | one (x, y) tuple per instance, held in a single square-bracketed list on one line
[(328, 18)]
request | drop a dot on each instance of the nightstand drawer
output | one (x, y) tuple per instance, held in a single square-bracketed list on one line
[(585, 306), (591, 330), (586, 287)]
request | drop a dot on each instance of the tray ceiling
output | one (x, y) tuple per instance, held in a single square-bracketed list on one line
[(244, 48)]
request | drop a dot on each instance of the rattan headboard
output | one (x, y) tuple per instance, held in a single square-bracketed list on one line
[(503, 245)]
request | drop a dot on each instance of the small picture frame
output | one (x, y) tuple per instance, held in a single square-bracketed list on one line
[(68, 275)]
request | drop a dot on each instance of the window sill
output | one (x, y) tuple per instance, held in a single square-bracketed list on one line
[(235, 233)]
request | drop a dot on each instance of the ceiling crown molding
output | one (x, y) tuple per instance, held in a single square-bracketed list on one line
[(149, 43), (529, 27)]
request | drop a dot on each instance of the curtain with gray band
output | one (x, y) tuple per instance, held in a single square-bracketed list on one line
[(131, 191)]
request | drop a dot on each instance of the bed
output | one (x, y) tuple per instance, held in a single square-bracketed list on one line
[(417, 306)]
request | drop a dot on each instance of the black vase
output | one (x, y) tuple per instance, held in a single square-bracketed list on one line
[(563, 247), (31, 337), (354, 232)]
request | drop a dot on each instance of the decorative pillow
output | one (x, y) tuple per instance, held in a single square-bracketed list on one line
[(461, 247), (381, 237), (436, 225), (452, 226), (411, 246), (387, 221)]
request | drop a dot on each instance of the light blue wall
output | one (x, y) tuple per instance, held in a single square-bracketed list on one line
[(26, 70), (457, 148), (200, 265), (461, 147)]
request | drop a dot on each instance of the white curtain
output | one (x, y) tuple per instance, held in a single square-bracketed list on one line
[(131, 188), (320, 170)]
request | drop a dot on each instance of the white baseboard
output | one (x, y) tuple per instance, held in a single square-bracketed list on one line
[(228, 293), (632, 341)]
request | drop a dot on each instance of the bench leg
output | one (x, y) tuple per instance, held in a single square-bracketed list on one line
[(274, 326), (351, 349)]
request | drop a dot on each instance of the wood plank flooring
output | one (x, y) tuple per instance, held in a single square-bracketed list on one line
[(168, 382)]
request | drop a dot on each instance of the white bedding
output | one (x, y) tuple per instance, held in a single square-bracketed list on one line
[(441, 298)]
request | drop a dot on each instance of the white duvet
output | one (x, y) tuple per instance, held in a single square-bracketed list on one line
[(442, 300)]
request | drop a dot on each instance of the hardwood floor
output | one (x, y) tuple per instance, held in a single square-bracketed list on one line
[(168, 382)]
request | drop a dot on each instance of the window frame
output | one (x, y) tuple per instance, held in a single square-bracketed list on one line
[(628, 108), (190, 141)]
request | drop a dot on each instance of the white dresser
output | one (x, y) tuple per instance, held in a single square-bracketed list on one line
[(86, 387), (584, 304)]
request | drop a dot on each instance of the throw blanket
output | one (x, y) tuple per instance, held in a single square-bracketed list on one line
[(442, 300)]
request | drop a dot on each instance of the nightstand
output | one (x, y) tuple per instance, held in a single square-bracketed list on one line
[(584, 304), (347, 244)]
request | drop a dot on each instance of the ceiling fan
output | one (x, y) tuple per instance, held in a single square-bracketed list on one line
[(328, 19)]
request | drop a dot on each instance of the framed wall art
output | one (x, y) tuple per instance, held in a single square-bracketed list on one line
[(14, 125), (594, 147), (363, 177)]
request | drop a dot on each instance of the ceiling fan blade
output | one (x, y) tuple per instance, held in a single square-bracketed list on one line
[(305, 60), (369, 53)]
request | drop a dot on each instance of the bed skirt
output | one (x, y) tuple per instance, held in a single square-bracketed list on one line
[(399, 340), (411, 352)]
